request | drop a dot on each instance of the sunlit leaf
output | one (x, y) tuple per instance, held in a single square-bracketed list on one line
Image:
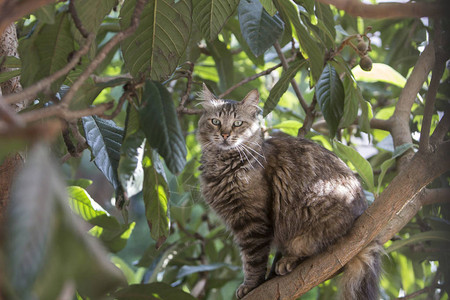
[(211, 16), (361, 165), (259, 29), (288, 12), (290, 127), (156, 197), (331, 97), (380, 72)]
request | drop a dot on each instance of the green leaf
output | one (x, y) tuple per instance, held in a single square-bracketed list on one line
[(380, 72), (160, 124), (211, 16), (331, 97), (160, 40), (366, 113), (282, 85), (269, 7), (54, 43), (82, 204), (46, 13), (92, 13), (156, 197), (350, 103), (432, 235), (152, 291), (115, 240), (402, 149), (104, 138), (361, 165), (10, 62), (5, 76), (234, 27), (326, 17), (258, 28), (384, 167), (290, 127), (289, 13), (29, 223)]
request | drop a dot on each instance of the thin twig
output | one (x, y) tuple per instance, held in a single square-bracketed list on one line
[(33, 90), (76, 19), (64, 113), (118, 109), (293, 82), (441, 129), (420, 292), (253, 77), (185, 96)]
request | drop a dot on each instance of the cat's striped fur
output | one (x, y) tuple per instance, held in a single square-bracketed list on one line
[(284, 192)]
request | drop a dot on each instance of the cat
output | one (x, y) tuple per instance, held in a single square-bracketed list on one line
[(283, 192)]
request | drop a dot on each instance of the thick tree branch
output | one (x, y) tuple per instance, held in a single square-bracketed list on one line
[(389, 10), (403, 188)]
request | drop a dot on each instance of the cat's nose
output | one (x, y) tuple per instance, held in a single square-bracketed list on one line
[(225, 135)]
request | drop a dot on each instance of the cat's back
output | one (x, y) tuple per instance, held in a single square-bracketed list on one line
[(302, 170)]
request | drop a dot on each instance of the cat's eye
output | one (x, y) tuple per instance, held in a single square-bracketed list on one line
[(215, 121), (237, 123)]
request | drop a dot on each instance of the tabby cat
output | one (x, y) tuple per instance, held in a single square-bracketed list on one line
[(284, 192)]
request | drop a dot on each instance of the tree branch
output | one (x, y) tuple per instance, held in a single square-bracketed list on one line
[(76, 19), (441, 56), (31, 92), (389, 10), (105, 50)]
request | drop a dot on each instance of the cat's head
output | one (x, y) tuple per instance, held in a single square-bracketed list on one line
[(226, 124)]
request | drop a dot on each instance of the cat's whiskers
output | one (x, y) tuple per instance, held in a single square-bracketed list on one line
[(259, 154), (246, 149), (246, 157)]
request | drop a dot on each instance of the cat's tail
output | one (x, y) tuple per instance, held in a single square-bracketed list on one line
[(362, 274)]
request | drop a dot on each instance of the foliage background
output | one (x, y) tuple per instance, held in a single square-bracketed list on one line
[(128, 111)]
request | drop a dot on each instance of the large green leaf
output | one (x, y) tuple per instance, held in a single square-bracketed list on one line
[(130, 170), (289, 13), (380, 72), (211, 15), (159, 42), (46, 231), (92, 12), (282, 85), (54, 43), (29, 223), (331, 97), (4, 76), (152, 291), (104, 138), (46, 13), (361, 165), (113, 234), (160, 124), (156, 197), (258, 28)]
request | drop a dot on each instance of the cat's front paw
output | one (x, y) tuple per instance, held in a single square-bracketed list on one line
[(243, 290), (286, 264)]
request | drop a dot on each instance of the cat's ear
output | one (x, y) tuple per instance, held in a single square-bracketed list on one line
[(251, 100), (208, 99)]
